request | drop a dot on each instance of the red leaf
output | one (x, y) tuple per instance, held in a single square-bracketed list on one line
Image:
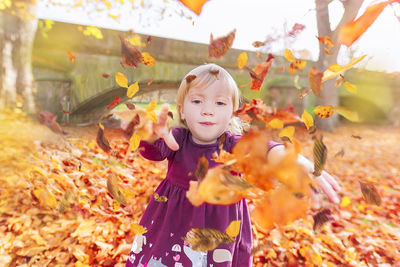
[(353, 30), (131, 106), (220, 46), (116, 101), (130, 55), (71, 56), (105, 75), (131, 126)]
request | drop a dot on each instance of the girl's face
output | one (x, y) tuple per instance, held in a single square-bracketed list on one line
[(207, 112)]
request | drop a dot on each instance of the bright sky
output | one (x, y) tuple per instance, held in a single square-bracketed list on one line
[(253, 20)]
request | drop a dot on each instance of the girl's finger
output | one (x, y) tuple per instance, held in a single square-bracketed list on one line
[(332, 181), (328, 190), (163, 116)]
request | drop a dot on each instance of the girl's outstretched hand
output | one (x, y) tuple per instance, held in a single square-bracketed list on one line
[(160, 129)]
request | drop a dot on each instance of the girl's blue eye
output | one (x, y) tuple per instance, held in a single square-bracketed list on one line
[(219, 103)]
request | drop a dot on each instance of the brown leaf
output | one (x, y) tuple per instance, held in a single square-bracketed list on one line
[(102, 141), (321, 218), (340, 153), (257, 44), (220, 46), (49, 119), (130, 129), (206, 239), (370, 193), (159, 198), (130, 105), (320, 153), (114, 191), (201, 169), (190, 78), (130, 55), (315, 80), (259, 72)]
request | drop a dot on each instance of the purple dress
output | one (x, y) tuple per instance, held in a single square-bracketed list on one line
[(168, 222)]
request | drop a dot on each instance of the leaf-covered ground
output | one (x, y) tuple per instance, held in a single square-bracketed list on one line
[(55, 209)]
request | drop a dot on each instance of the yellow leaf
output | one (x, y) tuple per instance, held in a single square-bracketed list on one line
[(348, 113), (350, 87), (307, 119), (136, 41), (134, 141), (335, 68), (121, 80), (288, 55), (132, 89), (330, 74), (101, 126), (138, 229), (242, 60), (92, 30), (45, 197), (288, 132), (233, 229), (147, 59), (115, 205), (150, 111), (345, 202), (80, 264), (324, 111), (297, 65), (276, 123)]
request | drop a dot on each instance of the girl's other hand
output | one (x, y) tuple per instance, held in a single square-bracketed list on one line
[(160, 129)]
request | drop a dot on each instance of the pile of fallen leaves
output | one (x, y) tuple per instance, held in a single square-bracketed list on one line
[(56, 208)]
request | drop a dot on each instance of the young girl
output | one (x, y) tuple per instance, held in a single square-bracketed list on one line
[(206, 100)]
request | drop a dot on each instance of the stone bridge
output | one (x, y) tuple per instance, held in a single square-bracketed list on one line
[(81, 89)]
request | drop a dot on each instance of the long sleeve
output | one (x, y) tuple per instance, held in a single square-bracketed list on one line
[(159, 150)]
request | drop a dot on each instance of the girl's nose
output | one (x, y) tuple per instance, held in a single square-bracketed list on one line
[(207, 111)]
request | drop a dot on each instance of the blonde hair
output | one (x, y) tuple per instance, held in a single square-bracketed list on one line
[(204, 76)]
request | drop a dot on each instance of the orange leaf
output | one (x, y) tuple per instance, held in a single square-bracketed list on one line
[(71, 56), (147, 59), (327, 51), (220, 46), (353, 30), (259, 72), (326, 40), (288, 55), (194, 5), (315, 80)]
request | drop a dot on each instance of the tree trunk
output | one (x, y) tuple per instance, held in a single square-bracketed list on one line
[(329, 93), (17, 34)]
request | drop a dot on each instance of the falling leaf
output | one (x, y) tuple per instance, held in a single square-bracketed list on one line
[(130, 55), (287, 132), (148, 39), (326, 40), (350, 87), (320, 153), (350, 32), (297, 65), (339, 80), (71, 56), (259, 72), (130, 105), (327, 51), (348, 113), (335, 68), (101, 126), (321, 218), (206, 239), (147, 59), (288, 55), (324, 111), (190, 78), (194, 5), (276, 123), (220, 46), (121, 80), (305, 92), (201, 169), (370, 193), (297, 28), (50, 120), (102, 141), (356, 136), (138, 229), (114, 191), (66, 112), (233, 228), (315, 80), (116, 102), (257, 44), (134, 141), (307, 119), (105, 75), (296, 82), (150, 111), (280, 69), (329, 74), (159, 198), (132, 89), (93, 31), (242, 60), (150, 81)]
